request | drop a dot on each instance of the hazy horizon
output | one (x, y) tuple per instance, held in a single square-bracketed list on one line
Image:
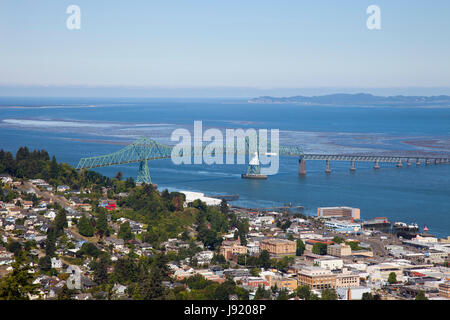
[(224, 48), (204, 92)]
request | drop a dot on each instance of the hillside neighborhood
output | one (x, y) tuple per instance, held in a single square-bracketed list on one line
[(78, 247)]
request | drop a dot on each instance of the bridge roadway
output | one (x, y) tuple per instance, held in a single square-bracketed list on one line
[(341, 157), (146, 149), (367, 158)]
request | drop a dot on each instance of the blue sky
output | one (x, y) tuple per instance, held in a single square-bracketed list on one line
[(225, 43)]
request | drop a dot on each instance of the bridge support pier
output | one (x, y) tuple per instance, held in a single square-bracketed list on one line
[(302, 167), (427, 162), (353, 166), (409, 163), (327, 169), (436, 161), (143, 173), (399, 164), (418, 162), (376, 165)]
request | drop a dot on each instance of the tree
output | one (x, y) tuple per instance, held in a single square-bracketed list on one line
[(45, 263), (283, 294), (264, 259), (65, 293), (319, 248), (102, 223), (329, 294), (125, 231), (367, 296), (209, 237), (60, 222), (50, 242), (89, 249), (152, 287), (14, 247), (255, 272), (129, 183), (421, 295), (218, 258), (300, 247), (224, 206), (85, 227), (262, 293), (18, 284), (392, 278), (54, 169), (101, 270), (337, 239), (224, 290), (119, 175), (303, 292), (198, 204)]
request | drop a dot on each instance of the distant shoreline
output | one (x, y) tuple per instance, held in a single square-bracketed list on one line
[(359, 100)]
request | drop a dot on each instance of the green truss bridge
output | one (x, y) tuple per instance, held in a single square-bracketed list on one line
[(145, 149)]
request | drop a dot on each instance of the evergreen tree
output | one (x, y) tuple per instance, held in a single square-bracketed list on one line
[(283, 294), (303, 292), (85, 227), (392, 278), (367, 296), (18, 284), (125, 231), (329, 294), (152, 288), (262, 293), (319, 248), (264, 259), (60, 222), (224, 206), (65, 293), (300, 247), (224, 290), (101, 270), (54, 168), (421, 295), (129, 183), (50, 242), (45, 263), (119, 175), (102, 223)]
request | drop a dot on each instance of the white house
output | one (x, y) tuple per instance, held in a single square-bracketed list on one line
[(56, 263), (50, 214)]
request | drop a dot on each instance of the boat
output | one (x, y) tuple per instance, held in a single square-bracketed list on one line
[(253, 176), (254, 169)]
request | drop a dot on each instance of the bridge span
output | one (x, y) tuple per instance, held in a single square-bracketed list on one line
[(376, 159), (145, 149)]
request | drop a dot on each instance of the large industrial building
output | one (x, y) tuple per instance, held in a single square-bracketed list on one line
[(336, 212)]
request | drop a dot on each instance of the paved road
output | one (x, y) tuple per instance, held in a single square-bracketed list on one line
[(45, 194)]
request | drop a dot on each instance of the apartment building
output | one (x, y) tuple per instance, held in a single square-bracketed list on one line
[(347, 279), (228, 251), (316, 278), (334, 212), (278, 246), (444, 289), (339, 250)]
